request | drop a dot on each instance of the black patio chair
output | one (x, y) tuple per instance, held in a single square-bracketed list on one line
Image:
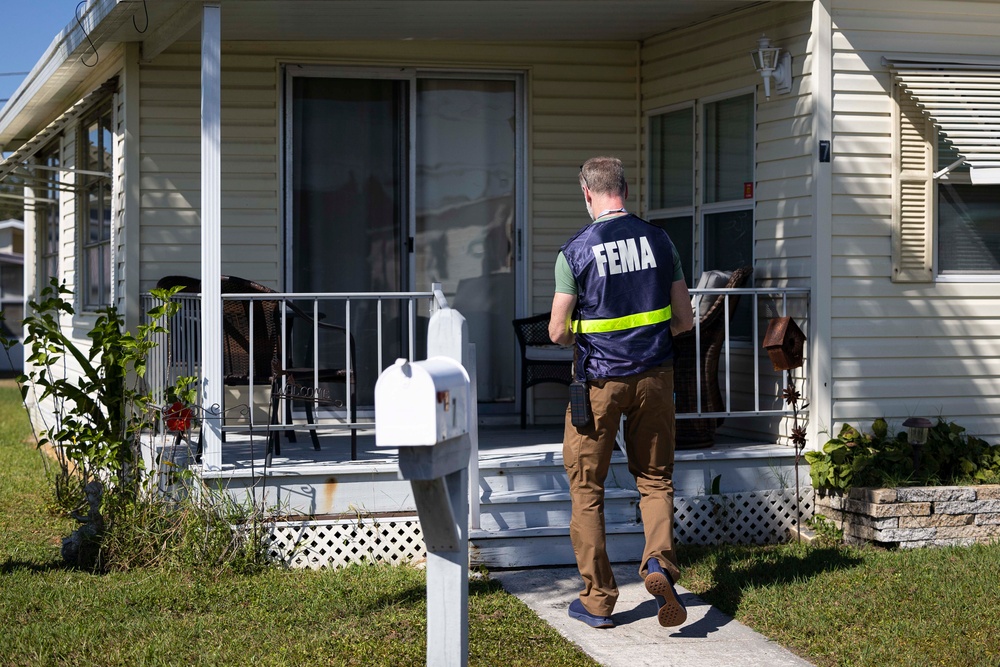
[(541, 360)]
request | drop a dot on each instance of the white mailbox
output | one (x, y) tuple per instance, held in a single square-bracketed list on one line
[(425, 410), (421, 403)]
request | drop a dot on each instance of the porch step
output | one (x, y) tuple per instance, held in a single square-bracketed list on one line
[(547, 508), (511, 480), (525, 511), (541, 472), (530, 547)]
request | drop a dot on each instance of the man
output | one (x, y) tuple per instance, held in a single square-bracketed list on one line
[(620, 296)]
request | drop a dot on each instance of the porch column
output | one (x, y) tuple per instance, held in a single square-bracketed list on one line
[(821, 297), (211, 235)]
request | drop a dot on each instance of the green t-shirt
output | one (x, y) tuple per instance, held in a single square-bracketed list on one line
[(566, 283)]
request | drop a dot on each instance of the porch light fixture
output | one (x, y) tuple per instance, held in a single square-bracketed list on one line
[(772, 64), (916, 435)]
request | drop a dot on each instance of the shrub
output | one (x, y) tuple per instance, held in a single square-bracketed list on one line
[(204, 530), (93, 417), (950, 457), (94, 420)]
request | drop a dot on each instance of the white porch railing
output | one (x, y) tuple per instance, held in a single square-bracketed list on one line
[(749, 385), (742, 357), (383, 325)]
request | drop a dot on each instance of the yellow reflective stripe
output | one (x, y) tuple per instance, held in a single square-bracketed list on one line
[(622, 323)]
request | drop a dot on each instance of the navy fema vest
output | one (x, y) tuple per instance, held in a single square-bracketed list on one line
[(624, 268)]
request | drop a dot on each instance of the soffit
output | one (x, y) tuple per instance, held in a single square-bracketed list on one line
[(64, 70), (317, 20)]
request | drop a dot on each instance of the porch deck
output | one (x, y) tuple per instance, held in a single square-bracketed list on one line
[(330, 510), (503, 446)]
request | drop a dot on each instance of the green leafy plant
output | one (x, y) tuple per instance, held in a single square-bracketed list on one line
[(91, 406), (827, 533), (93, 417), (950, 457)]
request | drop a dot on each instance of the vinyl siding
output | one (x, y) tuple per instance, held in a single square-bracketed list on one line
[(900, 350), (581, 101), (710, 61), (170, 167), (118, 255)]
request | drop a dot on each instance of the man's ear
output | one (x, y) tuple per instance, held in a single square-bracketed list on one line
[(626, 192)]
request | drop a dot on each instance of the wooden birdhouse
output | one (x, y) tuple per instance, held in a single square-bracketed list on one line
[(784, 342)]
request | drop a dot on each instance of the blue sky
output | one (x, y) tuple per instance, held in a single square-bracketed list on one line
[(29, 28)]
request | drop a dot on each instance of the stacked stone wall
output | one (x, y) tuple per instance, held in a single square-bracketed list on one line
[(914, 516)]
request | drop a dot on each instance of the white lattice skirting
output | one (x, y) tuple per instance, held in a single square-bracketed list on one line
[(332, 544), (753, 517)]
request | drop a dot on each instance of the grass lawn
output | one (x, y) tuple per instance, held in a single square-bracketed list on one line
[(860, 606), (834, 606), (363, 615)]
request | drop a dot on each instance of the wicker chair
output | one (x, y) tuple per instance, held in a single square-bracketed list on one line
[(541, 361), (236, 333), (712, 314)]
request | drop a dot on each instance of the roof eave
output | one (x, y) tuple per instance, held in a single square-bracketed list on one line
[(61, 71)]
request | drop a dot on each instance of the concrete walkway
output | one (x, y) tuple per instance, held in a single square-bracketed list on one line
[(709, 638)]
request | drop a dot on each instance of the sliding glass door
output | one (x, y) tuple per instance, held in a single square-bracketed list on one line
[(401, 179)]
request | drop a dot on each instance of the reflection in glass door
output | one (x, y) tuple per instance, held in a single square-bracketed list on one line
[(466, 171)]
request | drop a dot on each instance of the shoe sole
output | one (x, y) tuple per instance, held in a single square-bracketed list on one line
[(672, 612)]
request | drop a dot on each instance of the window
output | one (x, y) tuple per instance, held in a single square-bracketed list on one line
[(947, 176), (968, 216), (47, 216), (671, 177), (711, 224), (727, 211), (96, 160)]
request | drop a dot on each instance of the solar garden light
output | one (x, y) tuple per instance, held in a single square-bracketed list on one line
[(916, 434)]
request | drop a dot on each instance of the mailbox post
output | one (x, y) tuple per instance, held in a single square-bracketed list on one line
[(423, 409)]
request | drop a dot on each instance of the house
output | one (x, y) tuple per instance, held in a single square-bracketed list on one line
[(344, 148), (12, 290)]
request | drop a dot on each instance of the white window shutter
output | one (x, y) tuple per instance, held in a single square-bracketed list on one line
[(913, 208)]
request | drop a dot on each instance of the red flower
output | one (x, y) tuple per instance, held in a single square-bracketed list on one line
[(178, 418)]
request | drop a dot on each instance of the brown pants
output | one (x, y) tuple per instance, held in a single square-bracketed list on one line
[(646, 400)]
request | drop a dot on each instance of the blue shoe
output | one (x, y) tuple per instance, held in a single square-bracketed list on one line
[(580, 613), (661, 586)]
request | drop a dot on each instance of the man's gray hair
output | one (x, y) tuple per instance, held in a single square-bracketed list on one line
[(604, 175)]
